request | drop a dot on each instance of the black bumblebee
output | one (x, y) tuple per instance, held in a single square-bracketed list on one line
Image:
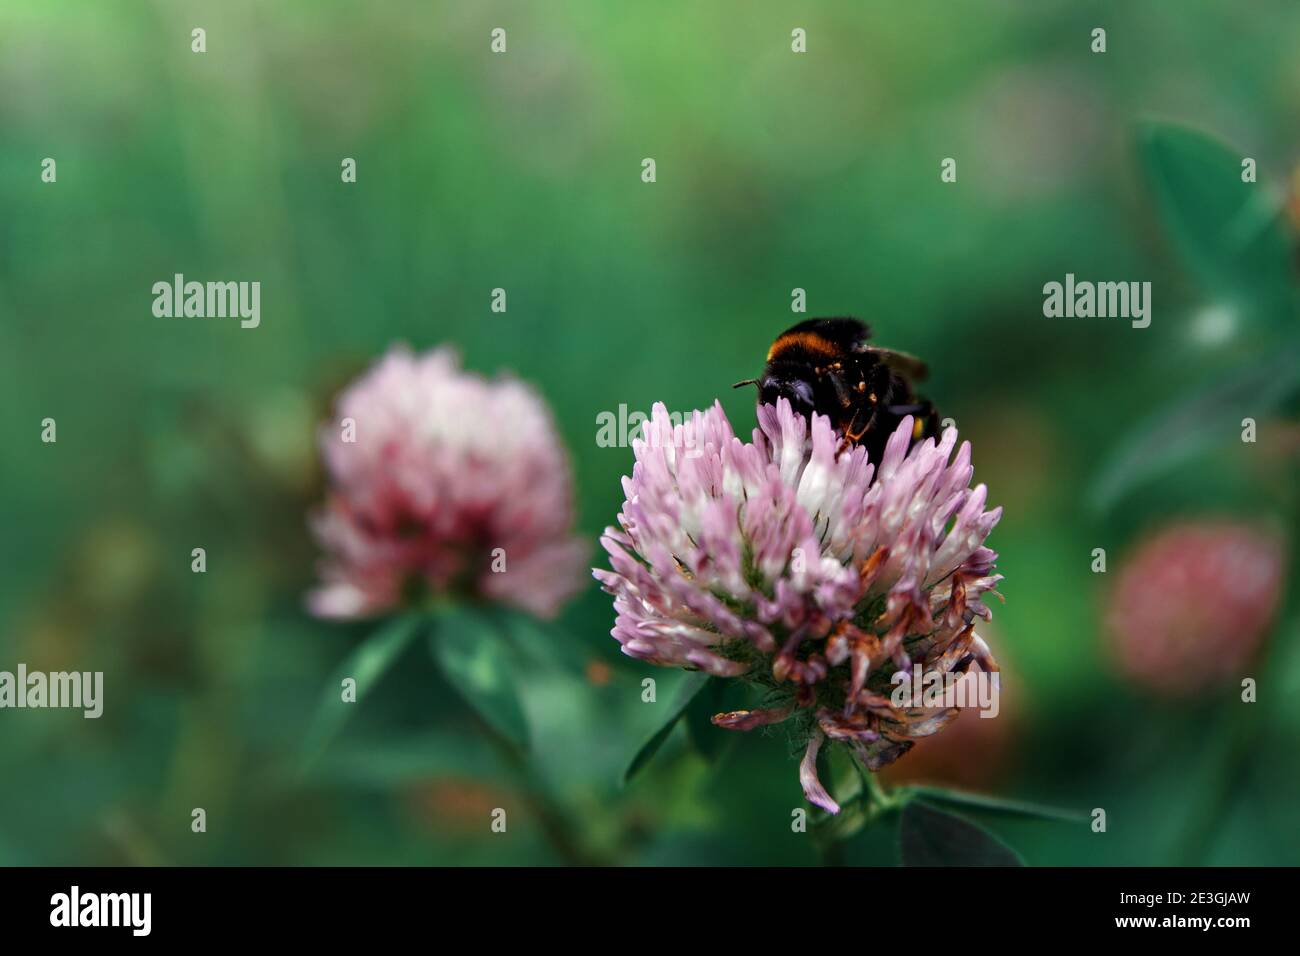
[(826, 366)]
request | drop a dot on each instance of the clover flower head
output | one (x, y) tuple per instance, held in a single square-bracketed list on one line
[(1192, 605), (798, 564), (442, 481)]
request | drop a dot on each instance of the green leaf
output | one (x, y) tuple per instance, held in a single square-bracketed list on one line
[(477, 660), (685, 691), (1232, 234), (1204, 419), (366, 665), (988, 804), (932, 837)]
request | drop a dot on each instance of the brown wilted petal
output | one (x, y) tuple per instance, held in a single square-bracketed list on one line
[(749, 719)]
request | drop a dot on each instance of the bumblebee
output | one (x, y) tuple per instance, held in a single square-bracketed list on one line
[(826, 366)]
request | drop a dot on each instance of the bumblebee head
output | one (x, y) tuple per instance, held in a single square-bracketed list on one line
[(786, 384)]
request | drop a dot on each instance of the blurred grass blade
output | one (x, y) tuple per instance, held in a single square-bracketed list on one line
[(1208, 418), (931, 837), (384, 761), (1230, 233), (366, 665), (685, 692), (989, 804), (539, 643), (468, 646)]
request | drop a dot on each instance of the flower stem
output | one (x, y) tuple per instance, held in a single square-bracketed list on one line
[(876, 795), (1244, 725), (879, 801), (860, 810)]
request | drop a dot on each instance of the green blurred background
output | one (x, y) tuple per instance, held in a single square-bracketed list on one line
[(522, 171)]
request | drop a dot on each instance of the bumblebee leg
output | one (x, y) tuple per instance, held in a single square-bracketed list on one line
[(856, 436), (837, 393), (851, 435), (843, 394)]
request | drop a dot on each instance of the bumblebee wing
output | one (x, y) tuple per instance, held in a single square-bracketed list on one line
[(909, 366)]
